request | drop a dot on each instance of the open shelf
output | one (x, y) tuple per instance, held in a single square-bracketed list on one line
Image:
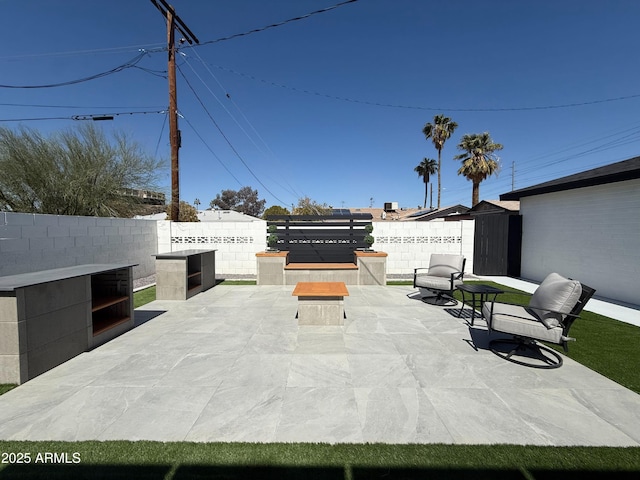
[(104, 302), (110, 300), (101, 325)]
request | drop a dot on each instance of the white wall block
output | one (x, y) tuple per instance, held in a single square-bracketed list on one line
[(591, 234)]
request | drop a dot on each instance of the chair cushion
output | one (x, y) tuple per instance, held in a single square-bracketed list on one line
[(516, 320), (443, 265), (555, 293), (437, 283)]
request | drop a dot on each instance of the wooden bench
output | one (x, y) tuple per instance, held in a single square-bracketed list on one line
[(320, 303)]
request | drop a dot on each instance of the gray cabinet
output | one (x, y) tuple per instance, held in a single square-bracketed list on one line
[(182, 274), (50, 316)]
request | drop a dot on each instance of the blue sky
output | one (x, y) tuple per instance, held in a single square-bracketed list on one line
[(332, 106)]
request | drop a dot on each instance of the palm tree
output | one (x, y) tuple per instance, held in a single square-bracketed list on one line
[(479, 160), (439, 132), (427, 167)]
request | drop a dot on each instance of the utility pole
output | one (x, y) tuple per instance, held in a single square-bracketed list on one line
[(513, 176), (173, 22)]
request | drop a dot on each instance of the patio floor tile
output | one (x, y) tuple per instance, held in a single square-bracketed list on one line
[(232, 364)]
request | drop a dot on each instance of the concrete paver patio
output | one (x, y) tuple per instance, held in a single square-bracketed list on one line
[(232, 364)]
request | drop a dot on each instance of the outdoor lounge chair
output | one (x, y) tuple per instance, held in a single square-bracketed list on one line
[(437, 282), (552, 309)]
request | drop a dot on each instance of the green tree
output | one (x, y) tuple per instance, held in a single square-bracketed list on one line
[(439, 132), (427, 167), (275, 210), (306, 206), (479, 160), (75, 172), (188, 213), (244, 200)]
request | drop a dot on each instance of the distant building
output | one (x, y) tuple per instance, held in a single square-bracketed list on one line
[(146, 196), (209, 216)]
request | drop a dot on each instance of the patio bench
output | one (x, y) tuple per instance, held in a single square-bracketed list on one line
[(368, 268)]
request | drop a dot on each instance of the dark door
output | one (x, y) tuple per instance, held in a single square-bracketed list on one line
[(497, 245)]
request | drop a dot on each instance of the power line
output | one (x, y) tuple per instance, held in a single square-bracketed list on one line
[(279, 24), (224, 107), (164, 122), (226, 138), (131, 63), (93, 116), (148, 47), (291, 189), (418, 107), (211, 150), (70, 106)]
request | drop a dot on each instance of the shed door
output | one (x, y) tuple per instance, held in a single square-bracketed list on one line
[(497, 244)]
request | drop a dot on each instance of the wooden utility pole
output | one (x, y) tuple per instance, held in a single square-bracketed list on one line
[(174, 135), (173, 22)]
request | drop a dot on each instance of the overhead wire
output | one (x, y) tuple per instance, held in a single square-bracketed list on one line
[(186, 119), (92, 116), (164, 122), (278, 24), (426, 108), (292, 191), (235, 151), (71, 106), (130, 64)]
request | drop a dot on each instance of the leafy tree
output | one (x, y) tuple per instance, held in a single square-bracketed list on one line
[(439, 132), (275, 210), (427, 167), (244, 200), (306, 206), (75, 172), (479, 160), (188, 213)]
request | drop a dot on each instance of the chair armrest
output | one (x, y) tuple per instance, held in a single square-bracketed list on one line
[(456, 276), (565, 316)]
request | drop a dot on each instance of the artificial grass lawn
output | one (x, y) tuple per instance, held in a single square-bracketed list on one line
[(5, 387), (231, 461), (147, 295)]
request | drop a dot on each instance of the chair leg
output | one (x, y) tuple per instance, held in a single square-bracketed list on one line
[(519, 347), (441, 299)]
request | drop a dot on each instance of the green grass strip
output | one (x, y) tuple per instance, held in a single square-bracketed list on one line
[(5, 387), (177, 460)]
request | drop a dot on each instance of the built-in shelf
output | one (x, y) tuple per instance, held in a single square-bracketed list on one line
[(194, 274), (111, 300), (100, 303), (101, 325)]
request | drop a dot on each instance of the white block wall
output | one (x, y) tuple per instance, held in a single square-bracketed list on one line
[(236, 242), (410, 244), (38, 242), (591, 234), (30, 242)]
